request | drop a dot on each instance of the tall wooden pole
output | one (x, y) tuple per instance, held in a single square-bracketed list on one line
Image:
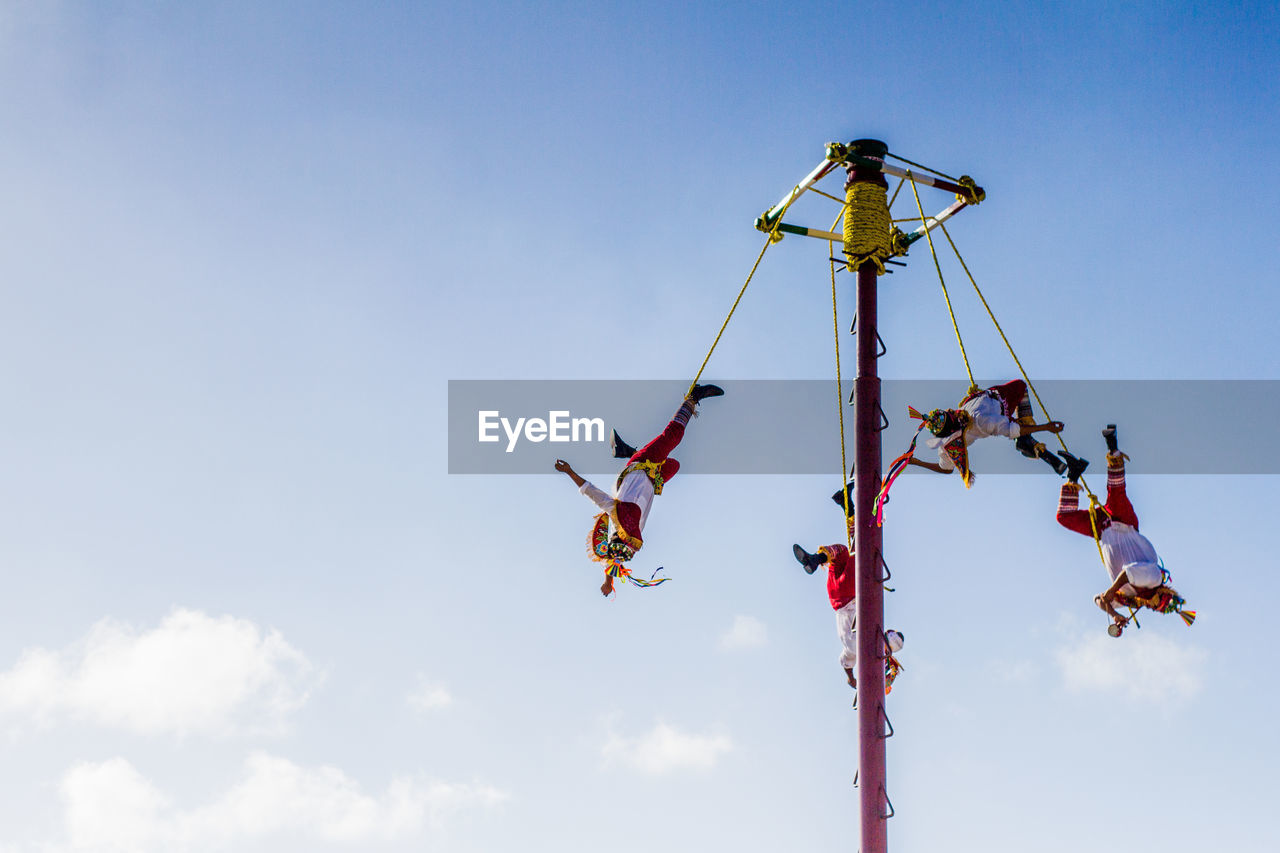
[(872, 789)]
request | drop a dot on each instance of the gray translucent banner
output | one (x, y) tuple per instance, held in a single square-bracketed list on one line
[(791, 426)]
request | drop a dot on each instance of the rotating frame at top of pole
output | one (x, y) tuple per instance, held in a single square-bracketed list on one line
[(854, 154)]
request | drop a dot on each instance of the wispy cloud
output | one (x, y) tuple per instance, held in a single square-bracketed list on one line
[(664, 749), (746, 632), (429, 696), (1142, 665), (109, 805), (191, 674)]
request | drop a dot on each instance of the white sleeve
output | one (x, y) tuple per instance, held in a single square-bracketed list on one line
[(601, 499), (1008, 428)]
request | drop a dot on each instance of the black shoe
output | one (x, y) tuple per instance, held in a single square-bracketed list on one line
[(1059, 467), (1110, 435), (839, 498), (702, 392), (621, 450), (1075, 466), (809, 561), (1028, 446)]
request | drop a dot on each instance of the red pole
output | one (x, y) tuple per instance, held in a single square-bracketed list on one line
[(867, 540)]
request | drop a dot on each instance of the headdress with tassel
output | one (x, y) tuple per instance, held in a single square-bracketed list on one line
[(613, 552)]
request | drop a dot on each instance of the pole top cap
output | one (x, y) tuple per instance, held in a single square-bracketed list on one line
[(869, 148)]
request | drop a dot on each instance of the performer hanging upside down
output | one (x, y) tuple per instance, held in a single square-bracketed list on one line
[(644, 475), (1137, 578), (841, 591), (998, 410)]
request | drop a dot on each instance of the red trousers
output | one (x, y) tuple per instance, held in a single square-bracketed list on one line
[(1117, 506), (658, 449)]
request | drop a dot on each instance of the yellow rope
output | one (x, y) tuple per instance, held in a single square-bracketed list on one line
[(1094, 506), (1093, 499), (830, 196), (896, 190), (868, 233), (972, 385), (900, 158), (835, 324), (1030, 385), (772, 237)]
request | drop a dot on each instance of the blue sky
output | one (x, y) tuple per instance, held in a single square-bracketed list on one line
[(246, 247)]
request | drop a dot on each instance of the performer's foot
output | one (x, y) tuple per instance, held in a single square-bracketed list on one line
[(1109, 434), (1059, 467), (1028, 446), (621, 450), (702, 392), (809, 561), (839, 498), (1075, 466)]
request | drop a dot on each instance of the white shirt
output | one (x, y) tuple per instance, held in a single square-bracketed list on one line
[(985, 420), (1123, 546), (635, 488)]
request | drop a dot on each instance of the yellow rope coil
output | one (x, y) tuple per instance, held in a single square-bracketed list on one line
[(973, 194), (867, 225)]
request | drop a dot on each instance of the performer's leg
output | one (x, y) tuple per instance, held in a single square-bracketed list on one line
[(667, 441), (1117, 498), (1025, 415), (846, 624), (1032, 449), (1013, 400), (1070, 515)]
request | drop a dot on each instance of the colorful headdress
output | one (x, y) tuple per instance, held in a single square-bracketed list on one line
[(1165, 599), (602, 547), (941, 421), (613, 552)]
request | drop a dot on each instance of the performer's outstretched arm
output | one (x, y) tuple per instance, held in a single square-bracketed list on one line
[(1104, 601), (565, 468), (932, 466), (598, 496), (1051, 426)]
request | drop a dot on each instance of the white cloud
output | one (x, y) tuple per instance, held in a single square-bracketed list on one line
[(1142, 664), (747, 632), (665, 748), (192, 673), (429, 696), (109, 806)]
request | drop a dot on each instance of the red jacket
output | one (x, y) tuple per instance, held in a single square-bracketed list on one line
[(840, 575)]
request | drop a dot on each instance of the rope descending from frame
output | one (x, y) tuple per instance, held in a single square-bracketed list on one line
[(772, 237)]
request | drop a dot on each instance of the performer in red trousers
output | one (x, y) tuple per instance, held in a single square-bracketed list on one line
[(841, 591), (646, 472), (998, 410), (1137, 577)]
